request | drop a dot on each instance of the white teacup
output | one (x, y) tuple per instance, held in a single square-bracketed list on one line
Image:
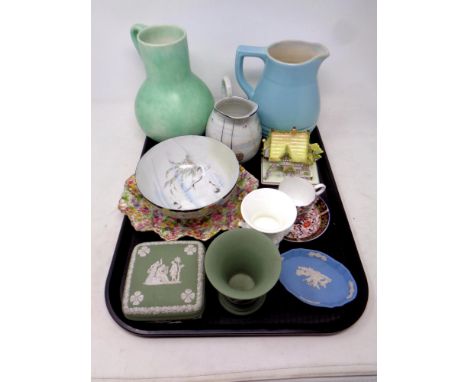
[(301, 191), (270, 212)]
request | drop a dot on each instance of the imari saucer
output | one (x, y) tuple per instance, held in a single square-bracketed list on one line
[(311, 222), (317, 279)]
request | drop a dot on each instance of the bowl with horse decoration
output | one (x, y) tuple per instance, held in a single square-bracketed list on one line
[(187, 176)]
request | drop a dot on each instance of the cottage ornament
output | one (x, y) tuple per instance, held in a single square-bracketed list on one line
[(290, 152)]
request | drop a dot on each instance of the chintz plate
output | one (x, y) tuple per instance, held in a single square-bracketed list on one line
[(316, 278)]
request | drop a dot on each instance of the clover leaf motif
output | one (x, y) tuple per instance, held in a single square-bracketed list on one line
[(187, 296), (136, 298), (143, 251), (190, 249)]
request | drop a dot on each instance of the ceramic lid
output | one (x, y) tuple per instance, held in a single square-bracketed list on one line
[(165, 281), (316, 278)]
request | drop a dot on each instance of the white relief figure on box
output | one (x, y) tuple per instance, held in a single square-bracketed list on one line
[(161, 274), (314, 278), (176, 267)]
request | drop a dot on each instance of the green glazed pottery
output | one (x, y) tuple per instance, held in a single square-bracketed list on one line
[(165, 281), (172, 101), (242, 265)]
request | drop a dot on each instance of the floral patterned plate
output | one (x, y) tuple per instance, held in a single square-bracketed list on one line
[(144, 216), (311, 222)]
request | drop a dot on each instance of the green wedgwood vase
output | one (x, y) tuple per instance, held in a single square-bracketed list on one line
[(242, 265), (172, 101)]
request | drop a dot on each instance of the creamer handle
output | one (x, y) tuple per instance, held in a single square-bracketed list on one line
[(226, 87)]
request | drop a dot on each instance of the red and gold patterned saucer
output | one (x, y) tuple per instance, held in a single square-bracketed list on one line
[(312, 221)]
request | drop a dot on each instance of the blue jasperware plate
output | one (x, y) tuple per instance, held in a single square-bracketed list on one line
[(316, 278)]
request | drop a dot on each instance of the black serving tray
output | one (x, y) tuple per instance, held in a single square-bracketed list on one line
[(282, 314)]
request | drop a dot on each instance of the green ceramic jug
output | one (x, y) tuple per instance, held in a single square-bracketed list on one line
[(172, 101)]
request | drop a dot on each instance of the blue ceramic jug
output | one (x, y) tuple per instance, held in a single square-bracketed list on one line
[(287, 93)]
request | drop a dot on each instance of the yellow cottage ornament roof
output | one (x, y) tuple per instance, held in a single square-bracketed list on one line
[(291, 146)]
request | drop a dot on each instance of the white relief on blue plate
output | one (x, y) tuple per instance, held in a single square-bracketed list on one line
[(136, 298), (308, 301), (190, 249), (351, 290), (143, 251), (162, 274), (187, 296), (313, 278), (318, 256)]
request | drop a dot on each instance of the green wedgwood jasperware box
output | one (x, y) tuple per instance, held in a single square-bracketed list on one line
[(165, 281)]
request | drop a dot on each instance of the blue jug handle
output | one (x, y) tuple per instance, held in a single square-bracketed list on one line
[(247, 51)]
